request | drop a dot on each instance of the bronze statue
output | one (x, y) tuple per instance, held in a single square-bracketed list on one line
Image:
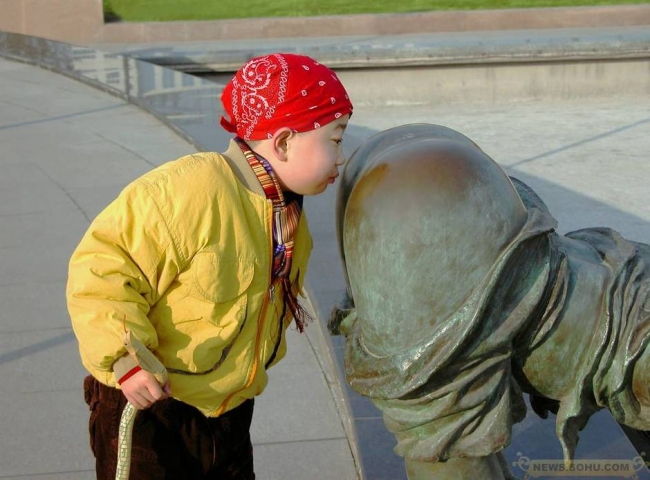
[(463, 296)]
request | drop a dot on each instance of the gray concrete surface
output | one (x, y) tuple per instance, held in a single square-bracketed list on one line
[(442, 68), (432, 48)]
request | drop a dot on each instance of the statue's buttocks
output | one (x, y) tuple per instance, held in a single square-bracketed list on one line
[(464, 295)]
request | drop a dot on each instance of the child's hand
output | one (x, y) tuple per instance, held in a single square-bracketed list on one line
[(142, 390)]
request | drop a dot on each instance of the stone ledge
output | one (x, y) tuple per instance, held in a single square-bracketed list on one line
[(81, 22), (435, 49), (378, 24)]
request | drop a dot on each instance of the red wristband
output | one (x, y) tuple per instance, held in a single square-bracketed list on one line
[(129, 374)]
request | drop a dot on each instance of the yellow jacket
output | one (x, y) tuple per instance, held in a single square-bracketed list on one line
[(182, 258)]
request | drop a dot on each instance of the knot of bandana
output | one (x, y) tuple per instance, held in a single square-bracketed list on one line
[(282, 90)]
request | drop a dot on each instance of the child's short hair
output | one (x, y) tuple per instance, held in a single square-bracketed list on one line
[(282, 90)]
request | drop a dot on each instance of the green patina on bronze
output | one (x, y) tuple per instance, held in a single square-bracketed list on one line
[(463, 296)]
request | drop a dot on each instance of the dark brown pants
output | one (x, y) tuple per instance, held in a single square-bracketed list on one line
[(171, 440)]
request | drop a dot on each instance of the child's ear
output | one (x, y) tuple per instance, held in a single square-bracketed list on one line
[(281, 142)]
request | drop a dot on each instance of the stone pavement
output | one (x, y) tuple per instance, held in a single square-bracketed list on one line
[(586, 156)]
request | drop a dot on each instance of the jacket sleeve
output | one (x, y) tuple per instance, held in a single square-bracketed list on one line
[(124, 263)]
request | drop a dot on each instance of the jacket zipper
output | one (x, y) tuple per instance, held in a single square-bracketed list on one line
[(260, 323)]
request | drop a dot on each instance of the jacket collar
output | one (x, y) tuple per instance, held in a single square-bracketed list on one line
[(242, 170)]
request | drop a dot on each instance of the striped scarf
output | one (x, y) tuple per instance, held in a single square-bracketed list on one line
[(285, 221)]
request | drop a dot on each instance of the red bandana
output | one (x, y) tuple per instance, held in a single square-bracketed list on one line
[(282, 90)]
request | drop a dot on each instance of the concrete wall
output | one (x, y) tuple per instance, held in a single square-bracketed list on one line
[(498, 84), (82, 22), (380, 24), (72, 21)]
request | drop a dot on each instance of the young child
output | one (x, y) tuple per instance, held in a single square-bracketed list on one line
[(202, 259)]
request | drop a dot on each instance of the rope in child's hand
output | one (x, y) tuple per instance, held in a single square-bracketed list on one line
[(147, 361)]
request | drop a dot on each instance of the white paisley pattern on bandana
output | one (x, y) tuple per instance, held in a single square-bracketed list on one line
[(257, 99)]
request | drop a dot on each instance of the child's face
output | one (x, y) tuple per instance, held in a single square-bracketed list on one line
[(313, 158)]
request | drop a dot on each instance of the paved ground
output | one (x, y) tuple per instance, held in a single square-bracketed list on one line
[(66, 149)]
